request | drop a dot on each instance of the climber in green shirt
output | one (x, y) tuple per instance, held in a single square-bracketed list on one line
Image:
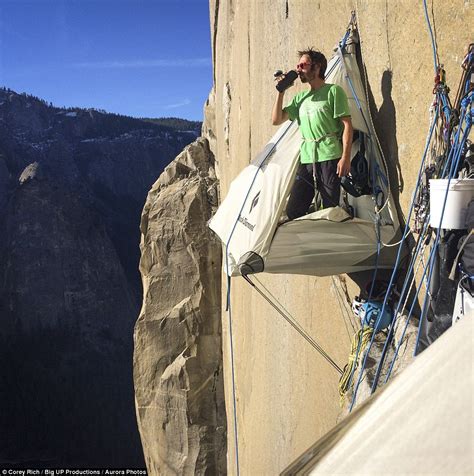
[(323, 116)]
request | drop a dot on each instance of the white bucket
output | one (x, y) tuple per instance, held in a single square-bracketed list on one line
[(460, 193)]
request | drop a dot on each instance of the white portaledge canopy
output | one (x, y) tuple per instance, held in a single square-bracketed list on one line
[(421, 423), (323, 243)]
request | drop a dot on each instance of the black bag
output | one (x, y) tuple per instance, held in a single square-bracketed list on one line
[(357, 182), (467, 258)]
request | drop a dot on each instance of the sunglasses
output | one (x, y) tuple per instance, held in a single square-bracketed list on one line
[(303, 65)]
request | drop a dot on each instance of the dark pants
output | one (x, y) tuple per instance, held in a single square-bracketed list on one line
[(327, 183)]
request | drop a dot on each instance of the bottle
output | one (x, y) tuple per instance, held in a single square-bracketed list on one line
[(287, 81)]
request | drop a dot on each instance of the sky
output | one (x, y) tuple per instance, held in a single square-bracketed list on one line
[(141, 58)]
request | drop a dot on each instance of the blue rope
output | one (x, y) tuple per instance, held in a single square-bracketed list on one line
[(245, 201), (228, 300), (359, 106), (433, 42), (452, 172), (430, 265), (374, 276), (375, 172), (397, 260), (356, 98), (404, 289), (456, 151), (444, 104), (234, 398), (333, 67), (369, 298), (342, 43), (431, 261), (395, 316), (402, 296)]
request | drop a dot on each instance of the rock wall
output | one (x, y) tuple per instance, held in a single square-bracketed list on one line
[(177, 360), (286, 394)]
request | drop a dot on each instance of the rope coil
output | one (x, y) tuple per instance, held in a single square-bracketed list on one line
[(359, 343)]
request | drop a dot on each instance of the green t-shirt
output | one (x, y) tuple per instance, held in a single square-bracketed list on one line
[(318, 114)]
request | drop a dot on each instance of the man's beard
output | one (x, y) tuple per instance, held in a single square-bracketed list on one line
[(307, 77)]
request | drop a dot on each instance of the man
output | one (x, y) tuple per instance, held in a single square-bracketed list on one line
[(323, 116)]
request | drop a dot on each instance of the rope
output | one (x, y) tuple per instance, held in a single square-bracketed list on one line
[(234, 392), (346, 315), (397, 261), (291, 320), (424, 279), (420, 246), (379, 146), (466, 66), (405, 236), (452, 274), (228, 300), (351, 24), (454, 165), (452, 154), (333, 67), (402, 337), (433, 42), (453, 169), (371, 128), (359, 343)]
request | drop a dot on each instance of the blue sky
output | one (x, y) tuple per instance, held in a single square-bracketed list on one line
[(143, 58)]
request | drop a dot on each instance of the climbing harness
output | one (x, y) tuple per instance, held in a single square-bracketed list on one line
[(320, 139)]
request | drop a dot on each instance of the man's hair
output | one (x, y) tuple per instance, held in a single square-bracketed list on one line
[(316, 57)]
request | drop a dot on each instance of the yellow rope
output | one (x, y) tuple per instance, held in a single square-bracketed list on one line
[(359, 343)]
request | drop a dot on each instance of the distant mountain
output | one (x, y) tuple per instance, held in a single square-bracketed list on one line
[(178, 125), (72, 186)]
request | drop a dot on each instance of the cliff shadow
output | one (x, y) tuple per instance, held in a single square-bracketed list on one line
[(385, 122)]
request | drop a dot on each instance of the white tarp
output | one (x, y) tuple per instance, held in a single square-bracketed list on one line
[(321, 247), (421, 423), (247, 222)]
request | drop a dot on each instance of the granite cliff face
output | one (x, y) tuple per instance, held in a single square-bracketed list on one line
[(178, 361), (286, 395), (72, 184)]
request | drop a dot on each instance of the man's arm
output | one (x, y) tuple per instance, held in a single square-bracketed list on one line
[(344, 164), (279, 116)]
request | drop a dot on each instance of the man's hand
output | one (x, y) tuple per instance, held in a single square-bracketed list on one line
[(343, 167), (278, 76)]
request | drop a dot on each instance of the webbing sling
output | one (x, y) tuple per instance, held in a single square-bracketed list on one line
[(291, 320)]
